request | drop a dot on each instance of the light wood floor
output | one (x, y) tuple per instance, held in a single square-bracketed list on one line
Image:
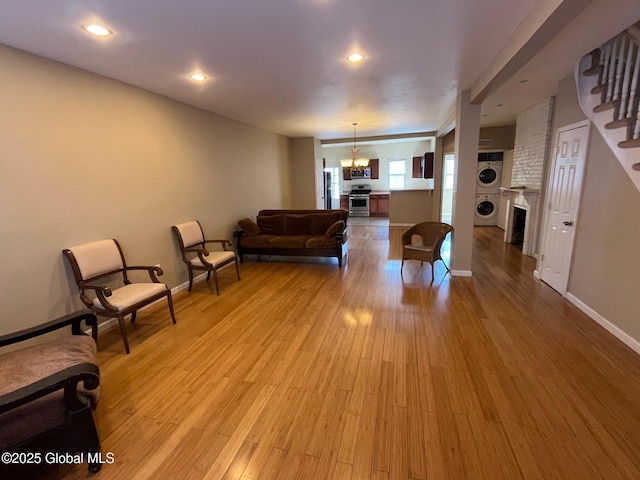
[(304, 370)]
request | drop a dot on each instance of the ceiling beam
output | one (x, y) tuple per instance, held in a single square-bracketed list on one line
[(545, 20)]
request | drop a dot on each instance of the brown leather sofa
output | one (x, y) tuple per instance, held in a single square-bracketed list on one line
[(313, 233)]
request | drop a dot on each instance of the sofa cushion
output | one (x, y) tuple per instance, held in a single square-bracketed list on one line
[(335, 228), (322, 221), (271, 224), (321, 241), (297, 224), (259, 241), (289, 241), (249, 227)]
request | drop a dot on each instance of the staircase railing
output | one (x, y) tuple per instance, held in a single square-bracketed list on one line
[(608, 81), (617, 65)]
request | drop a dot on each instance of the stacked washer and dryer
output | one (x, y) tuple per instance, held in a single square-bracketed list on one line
[(488, 182)]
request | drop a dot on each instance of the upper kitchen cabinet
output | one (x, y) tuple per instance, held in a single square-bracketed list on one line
[(374, 165), (422, 167), (416, 170), (427, 166)]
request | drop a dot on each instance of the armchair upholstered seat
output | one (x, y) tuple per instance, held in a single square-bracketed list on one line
[(423, 242), (104, 260), (197, 257), (48, 392)]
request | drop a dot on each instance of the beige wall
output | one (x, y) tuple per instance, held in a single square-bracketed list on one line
[(304, 151), (84, 158), (605, 271)]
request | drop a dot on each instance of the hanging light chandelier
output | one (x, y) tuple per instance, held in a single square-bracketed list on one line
[(355, 163)]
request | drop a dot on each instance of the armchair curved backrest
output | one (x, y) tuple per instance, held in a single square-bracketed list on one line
[(104, 258), (91, 261), (427, 248), (196, 256)]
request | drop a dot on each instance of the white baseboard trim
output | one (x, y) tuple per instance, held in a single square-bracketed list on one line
[(627, 339), (112, 322), (461, 273), (536, 274)]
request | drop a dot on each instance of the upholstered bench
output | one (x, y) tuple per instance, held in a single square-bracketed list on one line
[(48, 392)]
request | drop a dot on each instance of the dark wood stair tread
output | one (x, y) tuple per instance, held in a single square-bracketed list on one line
[(623, 122), (599, 88), (593, 71), (634, 143), (606, 106)]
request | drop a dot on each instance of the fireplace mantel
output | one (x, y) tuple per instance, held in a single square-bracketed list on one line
[(526, 199)]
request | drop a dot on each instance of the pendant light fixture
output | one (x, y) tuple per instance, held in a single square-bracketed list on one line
[(355, 163)]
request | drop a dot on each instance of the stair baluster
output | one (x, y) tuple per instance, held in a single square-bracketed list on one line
[(633, 106), (624, 97), (605, 71), (612, 70), (617, 89)]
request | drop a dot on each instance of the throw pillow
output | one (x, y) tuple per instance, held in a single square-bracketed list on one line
[(335, 228), (295, 224), (271, 224), (249, 227)]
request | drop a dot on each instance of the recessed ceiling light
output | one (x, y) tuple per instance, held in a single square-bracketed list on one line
[(198, 77), (355, 57), (98, 30), (499, 104), (524, 80)]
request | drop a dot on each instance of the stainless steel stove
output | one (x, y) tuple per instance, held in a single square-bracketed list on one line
[(359, 200)]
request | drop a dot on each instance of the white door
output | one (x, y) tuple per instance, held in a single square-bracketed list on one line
[(565, 185), (319, 183)]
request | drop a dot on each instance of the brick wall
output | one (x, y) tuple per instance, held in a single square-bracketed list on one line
[(530, 153)]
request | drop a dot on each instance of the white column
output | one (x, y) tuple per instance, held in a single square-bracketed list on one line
[(466, 151)]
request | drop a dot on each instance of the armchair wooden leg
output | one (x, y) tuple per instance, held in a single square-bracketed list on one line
[(237, 269), (133, 316), (123, 333), (208, 275), (215, 279), (190, 278), (170, 302)]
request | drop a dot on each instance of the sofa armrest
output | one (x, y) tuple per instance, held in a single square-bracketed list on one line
[(74, 319), (66, 379)]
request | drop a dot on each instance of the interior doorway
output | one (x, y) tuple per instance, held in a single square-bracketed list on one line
[(448, 177)]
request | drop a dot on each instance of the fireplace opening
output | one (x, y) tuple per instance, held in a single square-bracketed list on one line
[(519, 222)]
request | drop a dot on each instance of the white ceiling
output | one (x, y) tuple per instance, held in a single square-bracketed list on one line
[(281, 64)]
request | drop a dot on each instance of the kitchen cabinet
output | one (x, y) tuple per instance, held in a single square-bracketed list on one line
[(416, 171), (428, 165), (344, 202), (379, 205), (374, 166)]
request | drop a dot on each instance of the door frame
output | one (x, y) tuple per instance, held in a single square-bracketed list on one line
[(547, 196), (319, 180)]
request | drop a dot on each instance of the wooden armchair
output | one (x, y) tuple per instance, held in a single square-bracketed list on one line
[(100, 260), (191, 240), (432, 235), (47, 395)]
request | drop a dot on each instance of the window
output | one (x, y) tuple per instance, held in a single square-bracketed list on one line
[(396, 174)]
